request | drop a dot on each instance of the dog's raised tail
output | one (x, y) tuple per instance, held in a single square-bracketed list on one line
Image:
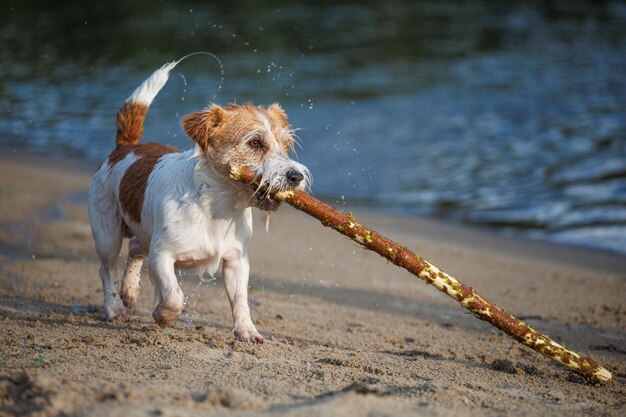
[(132, 114)]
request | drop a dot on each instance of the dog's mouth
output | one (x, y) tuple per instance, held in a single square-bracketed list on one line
[(265, 202)]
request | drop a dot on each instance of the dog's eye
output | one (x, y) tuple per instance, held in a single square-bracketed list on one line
[(256, 144)]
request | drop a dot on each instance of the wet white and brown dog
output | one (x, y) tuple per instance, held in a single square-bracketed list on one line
[(180, 209)]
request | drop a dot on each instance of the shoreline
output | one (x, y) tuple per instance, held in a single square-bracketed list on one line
[(346, 332), (467, 233)]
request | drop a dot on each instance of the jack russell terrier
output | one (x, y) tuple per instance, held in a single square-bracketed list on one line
[(180, 209)]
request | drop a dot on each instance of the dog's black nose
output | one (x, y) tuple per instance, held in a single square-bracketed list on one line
[(294, 177)]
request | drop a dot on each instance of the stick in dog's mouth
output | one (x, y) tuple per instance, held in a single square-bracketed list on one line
[(262, 190), (467, 297), (267, 200)]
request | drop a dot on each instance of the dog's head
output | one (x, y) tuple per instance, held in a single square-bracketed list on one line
[(252, 136)]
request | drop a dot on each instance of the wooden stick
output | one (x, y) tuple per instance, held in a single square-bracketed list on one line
[(485, 310)]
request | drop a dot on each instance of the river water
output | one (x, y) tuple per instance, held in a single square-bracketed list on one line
[(510, 115)]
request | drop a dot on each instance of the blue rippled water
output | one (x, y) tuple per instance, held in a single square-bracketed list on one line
[(510, 116)]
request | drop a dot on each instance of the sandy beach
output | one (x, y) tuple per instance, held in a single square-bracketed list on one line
[(348, 334)]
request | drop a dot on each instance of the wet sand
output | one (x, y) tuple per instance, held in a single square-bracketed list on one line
[(348, 334)]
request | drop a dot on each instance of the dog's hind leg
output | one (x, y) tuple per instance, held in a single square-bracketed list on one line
[(132, 273), (169, 295), (106, 226)]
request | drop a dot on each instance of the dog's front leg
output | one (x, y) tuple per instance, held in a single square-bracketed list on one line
[(236, 271), (170, 296)]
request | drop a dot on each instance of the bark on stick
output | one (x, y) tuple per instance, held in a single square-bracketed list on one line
[(397, 254)]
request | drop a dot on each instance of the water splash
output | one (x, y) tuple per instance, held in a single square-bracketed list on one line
[(219, 62)]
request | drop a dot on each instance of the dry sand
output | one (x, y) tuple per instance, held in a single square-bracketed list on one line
[(348, 334)]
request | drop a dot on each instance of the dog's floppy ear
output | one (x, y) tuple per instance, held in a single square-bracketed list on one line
[(201, 125), (277, 112)]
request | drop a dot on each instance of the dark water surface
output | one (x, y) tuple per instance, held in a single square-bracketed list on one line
[(507, 114)]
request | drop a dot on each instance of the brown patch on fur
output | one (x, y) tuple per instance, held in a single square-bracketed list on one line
[(276, 112), (135, 179), (130, 123), (247, 116), (126, 230), (223, 133), (201, 125), (120, 153)]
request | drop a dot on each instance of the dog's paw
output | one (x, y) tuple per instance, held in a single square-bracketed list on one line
[(248, 333), (129, 296), (164, 317), (115, 311)]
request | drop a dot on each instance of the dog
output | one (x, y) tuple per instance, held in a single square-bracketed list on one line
[(181, 209)]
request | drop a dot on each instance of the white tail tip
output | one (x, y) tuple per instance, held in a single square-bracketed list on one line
[(148, 90)]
